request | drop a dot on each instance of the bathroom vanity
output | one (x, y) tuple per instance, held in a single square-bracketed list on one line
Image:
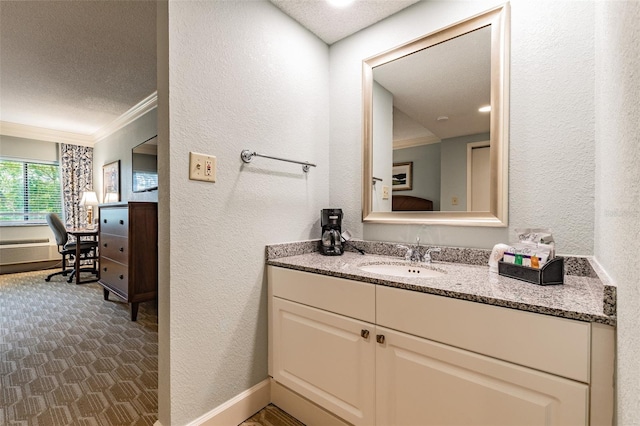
[(467, 347)]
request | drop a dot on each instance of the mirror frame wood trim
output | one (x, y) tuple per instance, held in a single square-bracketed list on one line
[(498, 18)]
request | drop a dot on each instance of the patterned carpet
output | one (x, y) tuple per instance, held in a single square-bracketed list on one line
[(69, 357)]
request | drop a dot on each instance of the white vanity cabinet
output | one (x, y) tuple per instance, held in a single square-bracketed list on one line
[(376, 355), (420, 382), (321, 341)]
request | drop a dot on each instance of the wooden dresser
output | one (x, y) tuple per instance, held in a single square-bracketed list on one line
[(128, 237)]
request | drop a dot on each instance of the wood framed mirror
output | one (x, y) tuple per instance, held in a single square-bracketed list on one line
[(426, 102)]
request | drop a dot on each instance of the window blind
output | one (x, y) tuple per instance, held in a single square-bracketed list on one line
[(28, 191)]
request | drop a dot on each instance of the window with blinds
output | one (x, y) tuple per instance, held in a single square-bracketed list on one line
[(28, 191)]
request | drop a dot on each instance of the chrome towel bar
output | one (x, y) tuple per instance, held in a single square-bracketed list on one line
[(247, 156)]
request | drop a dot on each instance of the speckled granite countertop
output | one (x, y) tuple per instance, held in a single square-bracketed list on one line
[(582, 297)]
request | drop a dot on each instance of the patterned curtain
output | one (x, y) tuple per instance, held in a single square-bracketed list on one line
[(77, 176)]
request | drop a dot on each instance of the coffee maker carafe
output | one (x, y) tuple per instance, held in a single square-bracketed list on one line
[(331, 221)]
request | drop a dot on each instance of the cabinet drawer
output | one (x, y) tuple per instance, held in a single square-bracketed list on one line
[(115, 247), (555, 345), (114, 275), (350, 298), (114, 220)]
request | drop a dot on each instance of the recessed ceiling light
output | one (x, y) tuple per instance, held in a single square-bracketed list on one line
[(442, 118), (339, 3), (486, 108)]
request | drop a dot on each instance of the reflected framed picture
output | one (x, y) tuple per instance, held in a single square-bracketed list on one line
[(402, 176), (111, 182)]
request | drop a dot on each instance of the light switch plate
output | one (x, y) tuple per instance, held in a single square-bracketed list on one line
[(385, 192), (202, 167)]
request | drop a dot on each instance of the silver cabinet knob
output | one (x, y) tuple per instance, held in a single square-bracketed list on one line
[(380, 338), (364, 333)]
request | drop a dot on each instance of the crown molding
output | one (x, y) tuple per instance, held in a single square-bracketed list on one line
[(410, 143), (137, 111), (42, 134)]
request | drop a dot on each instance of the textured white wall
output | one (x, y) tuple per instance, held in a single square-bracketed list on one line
[(241, 75), (617, 241), (551, 171)]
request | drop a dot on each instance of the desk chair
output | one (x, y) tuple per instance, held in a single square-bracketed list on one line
[(68, 250)]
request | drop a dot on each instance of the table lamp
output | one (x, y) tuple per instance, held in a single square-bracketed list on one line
[(89, 199)]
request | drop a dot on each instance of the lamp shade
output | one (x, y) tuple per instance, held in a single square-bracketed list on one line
[(89, 198)]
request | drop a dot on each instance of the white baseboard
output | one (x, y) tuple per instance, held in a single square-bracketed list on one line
[(249, 402), (301, 408), (237, 409)]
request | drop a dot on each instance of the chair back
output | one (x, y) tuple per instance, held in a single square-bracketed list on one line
[(59, 231)]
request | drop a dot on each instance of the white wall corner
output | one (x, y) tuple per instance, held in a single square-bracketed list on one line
[(237, 409)]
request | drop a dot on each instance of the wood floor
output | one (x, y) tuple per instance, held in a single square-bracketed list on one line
[(271, 416)]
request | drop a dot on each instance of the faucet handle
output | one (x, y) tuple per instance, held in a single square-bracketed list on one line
[(427, 254), (408, 252)]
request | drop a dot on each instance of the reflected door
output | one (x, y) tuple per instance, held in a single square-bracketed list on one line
[(478, 193)]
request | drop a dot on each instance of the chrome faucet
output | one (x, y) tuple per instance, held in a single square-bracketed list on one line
[(415, 256)]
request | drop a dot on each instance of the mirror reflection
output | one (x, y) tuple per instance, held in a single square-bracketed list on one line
[(144, 166), (436, 126), (431, 127)]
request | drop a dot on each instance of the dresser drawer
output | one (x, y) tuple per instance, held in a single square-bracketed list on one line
[(115, 247), (114, 220), (115, 276)]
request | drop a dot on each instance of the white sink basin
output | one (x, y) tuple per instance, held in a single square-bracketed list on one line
[(405, 271)]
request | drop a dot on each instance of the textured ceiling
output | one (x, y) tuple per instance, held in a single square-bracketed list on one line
[(451, 79), (331, 24), (75, 65)]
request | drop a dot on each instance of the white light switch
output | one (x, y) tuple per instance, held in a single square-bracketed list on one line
[(202, 167)]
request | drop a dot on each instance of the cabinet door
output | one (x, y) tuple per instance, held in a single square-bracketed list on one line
[(420, 382), (325, 358)]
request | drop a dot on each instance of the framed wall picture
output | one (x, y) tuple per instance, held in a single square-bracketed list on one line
[(402, 176), (111, 182)]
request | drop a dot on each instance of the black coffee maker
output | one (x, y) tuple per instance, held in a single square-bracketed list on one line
[(331, 221)]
